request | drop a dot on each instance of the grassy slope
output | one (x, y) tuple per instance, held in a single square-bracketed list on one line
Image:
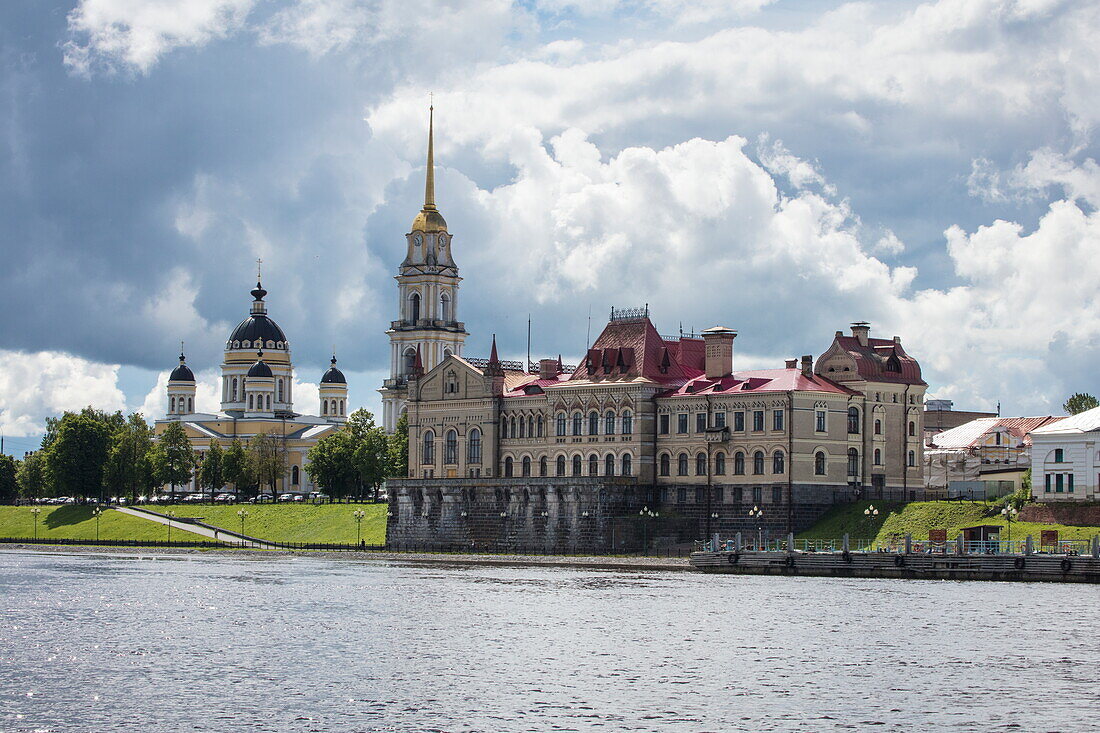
[(896, 520), (77, 522), (292, 522)]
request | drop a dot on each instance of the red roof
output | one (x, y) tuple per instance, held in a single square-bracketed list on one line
[(882, 360), (760, 380), (631, 348)]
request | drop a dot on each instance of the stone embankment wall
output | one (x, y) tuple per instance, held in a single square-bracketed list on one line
[(1072, 513)]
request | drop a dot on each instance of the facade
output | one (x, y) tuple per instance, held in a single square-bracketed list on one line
[(257, 385), (983, 458), (1065, 459)]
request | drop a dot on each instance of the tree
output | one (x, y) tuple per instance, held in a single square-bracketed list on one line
[(370, 449), (128, 468), (77, 454), (267, 459), (399, 448), (177, 458), (114, 422), (332, 464), (9, 487), (235, 467), (1079, 402), (32, 475), (212, 474)]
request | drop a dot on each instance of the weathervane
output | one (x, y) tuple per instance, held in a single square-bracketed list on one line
[(259, 263)]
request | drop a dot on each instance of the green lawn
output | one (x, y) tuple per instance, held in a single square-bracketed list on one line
[(291, 522), (917, 517), (77, 522)]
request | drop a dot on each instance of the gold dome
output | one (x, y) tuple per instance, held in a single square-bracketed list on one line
[(429, 221)]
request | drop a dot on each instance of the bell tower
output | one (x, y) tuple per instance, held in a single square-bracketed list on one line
[(427, 299)]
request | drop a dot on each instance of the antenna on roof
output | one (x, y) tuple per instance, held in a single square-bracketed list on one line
[(528, 368), (998, 408), (588, 334)]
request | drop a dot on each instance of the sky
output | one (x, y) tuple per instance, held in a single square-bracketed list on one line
[(781, 168)]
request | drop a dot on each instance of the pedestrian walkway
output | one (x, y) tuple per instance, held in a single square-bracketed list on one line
[(216, 534)]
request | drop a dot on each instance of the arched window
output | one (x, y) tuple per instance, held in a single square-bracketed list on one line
[(576, 465), (665, 469), (295, 476), (853, 462), (578, 422), (279, 386), (778, 462), (269, 403), (739, 463), (450, 384), (450, 447), (912, 459), (593, 423), (538, 426), (234, 392), (878, 427), (429, 447), (530, 426), (701, 464), (720, 464), (559, 426), (609, 465), (190, 405), (542, 466), (414, 307), (758, 463), (593, 465), (473, 447), (560, 466), (819, 463), (512, 427), (250, 403), (878, 456), (628, 423), (682, 464), (171, 404), (853, 421), (444, 307), (324, 408), (913, 428), (627, 468), (609, 423), (522, 428), (508, 467), (410, 360), (526, 466), (342, 407)]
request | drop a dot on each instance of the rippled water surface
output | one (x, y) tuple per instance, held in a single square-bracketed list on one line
[(217, 643)]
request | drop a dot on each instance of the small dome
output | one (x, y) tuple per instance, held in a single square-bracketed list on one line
[(429, 221), (260, 368), (182, 373), (333, 375)]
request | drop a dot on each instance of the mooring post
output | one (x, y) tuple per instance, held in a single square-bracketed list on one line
[(790, 543), (737, 542), (960, 545), (847, 542), (714, 543), (908, 544), (1028, 546), (1096, 546)]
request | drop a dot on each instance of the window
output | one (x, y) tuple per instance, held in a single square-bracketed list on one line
[(720, 464), (234, 392), (700, 496), (913, 431), (720, 419), (701, 464), (739, 464), (578, 423), (279, 386), (777, 419), (853, 421), (526, 466), (757, 420), (295, 476), (593, 465), (739, 421), (473, 447), (682, 464), (682, 423), (878, 427), (190, 405), (778, 462), (560, 423), (609, 465), (757, 495), (717, 494), (1059, 482), (250, 399), (609, 423), (1059, 455), (628, 423), (1070, 484), (1047, 488), (912, 461), (758, 463), (444, 307), (508, 467), (522, 428), (410, 361), (559, 466), (414, 307), (450, 447), (429, 448), (627, 468), (819, 463), (593, 423), (664, 465), (538, 426), (451, 384), (700, 422), (853, 462), (895, 396), (777, 495), (172, 404), (576, 465), (878, 456), (737, 495), (681, 496), (662, 421), (819, 421)]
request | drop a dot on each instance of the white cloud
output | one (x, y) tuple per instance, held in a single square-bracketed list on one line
[(208, 395), (35, 386)]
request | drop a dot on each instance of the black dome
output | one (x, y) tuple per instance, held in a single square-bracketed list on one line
[(257, 327), (260, 368), (182, 373), (333, 375)]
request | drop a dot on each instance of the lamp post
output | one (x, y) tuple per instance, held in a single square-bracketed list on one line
[(1010, 513), (646, 514), (36, 510), (95, 513), (242, 514), (869, 512), (358, 514), (756, 513), (171, 515)]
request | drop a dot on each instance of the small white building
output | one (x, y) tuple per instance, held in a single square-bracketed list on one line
[(1065, 459)]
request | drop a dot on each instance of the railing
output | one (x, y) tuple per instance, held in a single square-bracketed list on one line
[(951, 547)]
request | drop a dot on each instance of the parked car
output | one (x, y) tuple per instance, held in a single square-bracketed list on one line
[(318, 496), (260, 499), (299, 497), (225, 497), (286, 497)]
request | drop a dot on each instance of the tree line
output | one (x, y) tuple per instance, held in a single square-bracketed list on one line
[(94, 454)]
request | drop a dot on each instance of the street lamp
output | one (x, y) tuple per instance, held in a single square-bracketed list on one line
[(1010, 513), (171, 515), (241, 514), (36, 510), (358, 514), (756, 513), (647, 514), (95, 513), (871, 511)]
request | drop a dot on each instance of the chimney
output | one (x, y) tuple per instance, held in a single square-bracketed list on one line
[(792, 363), (860, 329), (548, 368), (807, 366), (897, 340), (719, 351)]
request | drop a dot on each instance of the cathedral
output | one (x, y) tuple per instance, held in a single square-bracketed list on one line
[(257, 396), (505, 455)]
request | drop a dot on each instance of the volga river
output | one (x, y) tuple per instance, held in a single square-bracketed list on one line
[(219, 643)]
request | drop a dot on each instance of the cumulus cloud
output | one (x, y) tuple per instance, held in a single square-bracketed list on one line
[(34, 386)]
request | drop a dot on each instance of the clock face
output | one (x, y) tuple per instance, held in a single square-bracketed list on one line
[(418, 240), (442, 241)]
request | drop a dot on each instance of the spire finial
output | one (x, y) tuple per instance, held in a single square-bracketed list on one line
[(259, 264), (181, 352), (429, 181)]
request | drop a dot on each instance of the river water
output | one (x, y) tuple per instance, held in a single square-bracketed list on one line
[(100, 642)]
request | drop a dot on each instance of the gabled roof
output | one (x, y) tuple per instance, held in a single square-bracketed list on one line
[(759, 381), (1084, 422), (968, 434), (630, 349), (881, 360)]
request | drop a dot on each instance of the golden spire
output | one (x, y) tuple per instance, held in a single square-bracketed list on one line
[(429, 219)]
